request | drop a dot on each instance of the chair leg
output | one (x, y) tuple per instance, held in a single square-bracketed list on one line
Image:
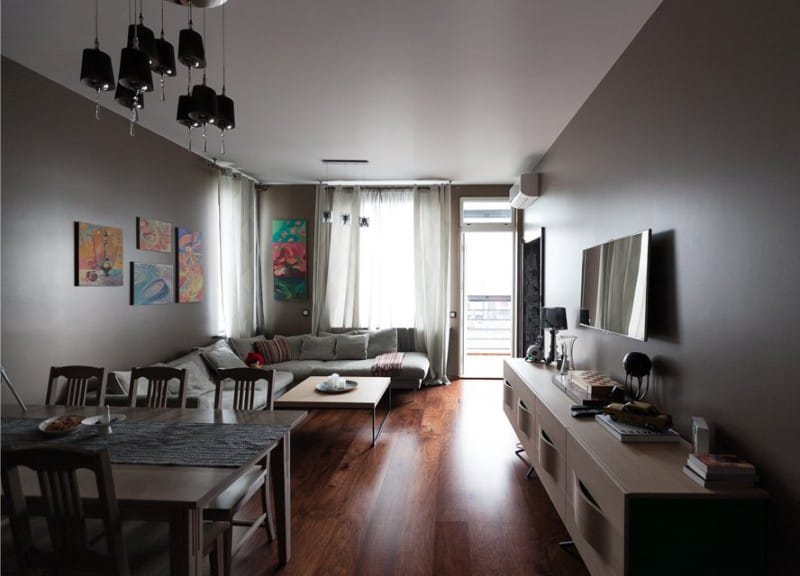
[(267, 507), (227, 551), (217, 555)]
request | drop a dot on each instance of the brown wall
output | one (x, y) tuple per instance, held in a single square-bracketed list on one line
[(60, 165), (285, 203), (695, 133)]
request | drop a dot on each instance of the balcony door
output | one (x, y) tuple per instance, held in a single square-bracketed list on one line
[(487, 287)]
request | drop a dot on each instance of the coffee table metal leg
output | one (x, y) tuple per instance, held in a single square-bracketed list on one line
[(385, 416)]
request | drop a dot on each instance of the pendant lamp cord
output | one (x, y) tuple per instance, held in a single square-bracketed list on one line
[(96, 40), (223, 49)]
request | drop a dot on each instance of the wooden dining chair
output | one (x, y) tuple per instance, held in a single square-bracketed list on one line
[(228, 504), (76, 388), (56, 468), (157, 378)]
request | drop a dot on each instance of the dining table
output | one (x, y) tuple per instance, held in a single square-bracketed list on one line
[(168, 464)]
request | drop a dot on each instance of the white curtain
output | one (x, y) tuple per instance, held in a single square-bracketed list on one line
[(394, 272), (432, 290), (238, 254)]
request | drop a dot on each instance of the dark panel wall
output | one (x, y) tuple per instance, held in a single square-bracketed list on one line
[(695, 133), (285, 203), (60, 165)]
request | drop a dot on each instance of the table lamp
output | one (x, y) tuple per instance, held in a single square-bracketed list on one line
[(554, 319)]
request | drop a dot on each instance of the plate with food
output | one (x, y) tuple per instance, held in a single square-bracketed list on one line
[(60, 425), (101, 420)]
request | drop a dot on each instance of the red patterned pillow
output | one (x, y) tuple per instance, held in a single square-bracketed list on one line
[(275, 350)]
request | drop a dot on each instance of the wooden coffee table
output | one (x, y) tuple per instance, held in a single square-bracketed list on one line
[(368, 394)]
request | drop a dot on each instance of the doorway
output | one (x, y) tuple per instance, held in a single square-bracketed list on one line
[(487, 287)]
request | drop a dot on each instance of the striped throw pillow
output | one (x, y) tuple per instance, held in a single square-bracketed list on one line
[(275, 350)]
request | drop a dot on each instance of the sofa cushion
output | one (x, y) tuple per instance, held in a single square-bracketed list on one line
[(295, 345), (382, 342), (220, 355), (351, 347), (274, 350), (345, 368), (318, 348), (300, 369), (198, 378), (243, 346)]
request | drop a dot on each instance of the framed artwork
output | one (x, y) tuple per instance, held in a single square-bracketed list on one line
[(190, 265), (98, 255), (153, 235), (152, 283), (289, 259)]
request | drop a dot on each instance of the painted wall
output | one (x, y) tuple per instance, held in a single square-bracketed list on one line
[(285, 203), (60, 165), (695, 133)]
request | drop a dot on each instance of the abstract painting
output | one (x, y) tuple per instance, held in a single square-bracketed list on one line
[(152, 283), (98, 255), (190, 265), (153, 235), (289, 259)]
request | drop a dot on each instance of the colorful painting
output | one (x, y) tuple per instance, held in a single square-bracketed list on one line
[(98, 255), (153, 235), (190, 265), (289, 259), (152, 283)]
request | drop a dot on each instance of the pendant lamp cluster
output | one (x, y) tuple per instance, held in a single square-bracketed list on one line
[(144, 54)]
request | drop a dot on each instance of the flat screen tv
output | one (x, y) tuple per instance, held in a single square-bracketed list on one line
[(614, 286)]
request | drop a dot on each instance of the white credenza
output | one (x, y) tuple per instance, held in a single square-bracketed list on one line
[(629, 507)]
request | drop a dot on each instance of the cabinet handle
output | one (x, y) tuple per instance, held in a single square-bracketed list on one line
[(546, 439), (585, 495), (522, 405), (506, 384)]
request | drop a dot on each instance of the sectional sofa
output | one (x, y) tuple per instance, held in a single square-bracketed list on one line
[(346, 352)]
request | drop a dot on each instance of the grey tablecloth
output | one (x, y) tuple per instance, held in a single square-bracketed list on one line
[(159, 443)]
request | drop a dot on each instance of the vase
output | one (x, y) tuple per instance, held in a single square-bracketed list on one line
[(567, 342)]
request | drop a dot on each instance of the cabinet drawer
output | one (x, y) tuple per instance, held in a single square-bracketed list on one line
[(595, 512), (509, 402), (551, 456)]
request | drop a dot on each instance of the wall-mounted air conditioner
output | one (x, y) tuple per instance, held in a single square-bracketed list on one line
[(525, 191)]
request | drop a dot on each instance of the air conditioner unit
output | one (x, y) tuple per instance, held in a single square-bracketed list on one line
[(525, 191)]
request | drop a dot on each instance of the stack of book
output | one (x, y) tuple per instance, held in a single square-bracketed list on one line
[(720, 471)]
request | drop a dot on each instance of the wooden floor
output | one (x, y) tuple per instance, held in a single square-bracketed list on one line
[(440, 494)]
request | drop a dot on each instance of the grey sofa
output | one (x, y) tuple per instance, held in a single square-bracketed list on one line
[(347, 352)]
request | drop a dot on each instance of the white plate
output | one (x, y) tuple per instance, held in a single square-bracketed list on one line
[(74, 420), (328, 389), (101, 420)]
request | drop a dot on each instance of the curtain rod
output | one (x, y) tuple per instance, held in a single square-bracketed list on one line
[(233, 170), (383, 182)]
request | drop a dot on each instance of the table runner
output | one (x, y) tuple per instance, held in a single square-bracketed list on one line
[(157, 443)]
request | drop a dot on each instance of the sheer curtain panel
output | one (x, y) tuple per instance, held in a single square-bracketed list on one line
[(238, 238)]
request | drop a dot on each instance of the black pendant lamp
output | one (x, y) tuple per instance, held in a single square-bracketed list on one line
[(166, 56), (146, 39), (134, 65), (204, 99), (191, 52), (226, 119), (129, 98), (96, 69)]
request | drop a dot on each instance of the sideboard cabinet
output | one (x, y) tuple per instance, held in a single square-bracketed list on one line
[(628, 507)]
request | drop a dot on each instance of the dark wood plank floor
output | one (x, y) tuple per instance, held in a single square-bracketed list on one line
[(441, 493)]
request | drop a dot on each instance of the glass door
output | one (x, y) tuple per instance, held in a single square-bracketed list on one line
[(487, 318)]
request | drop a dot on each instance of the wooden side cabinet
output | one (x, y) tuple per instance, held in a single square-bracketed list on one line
[(628, 507)]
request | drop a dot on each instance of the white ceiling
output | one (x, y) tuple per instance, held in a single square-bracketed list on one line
[(469, 90)]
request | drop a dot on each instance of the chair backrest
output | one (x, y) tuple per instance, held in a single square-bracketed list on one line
[(244, 387), (56, 469), (75, 390), (158, 378)]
